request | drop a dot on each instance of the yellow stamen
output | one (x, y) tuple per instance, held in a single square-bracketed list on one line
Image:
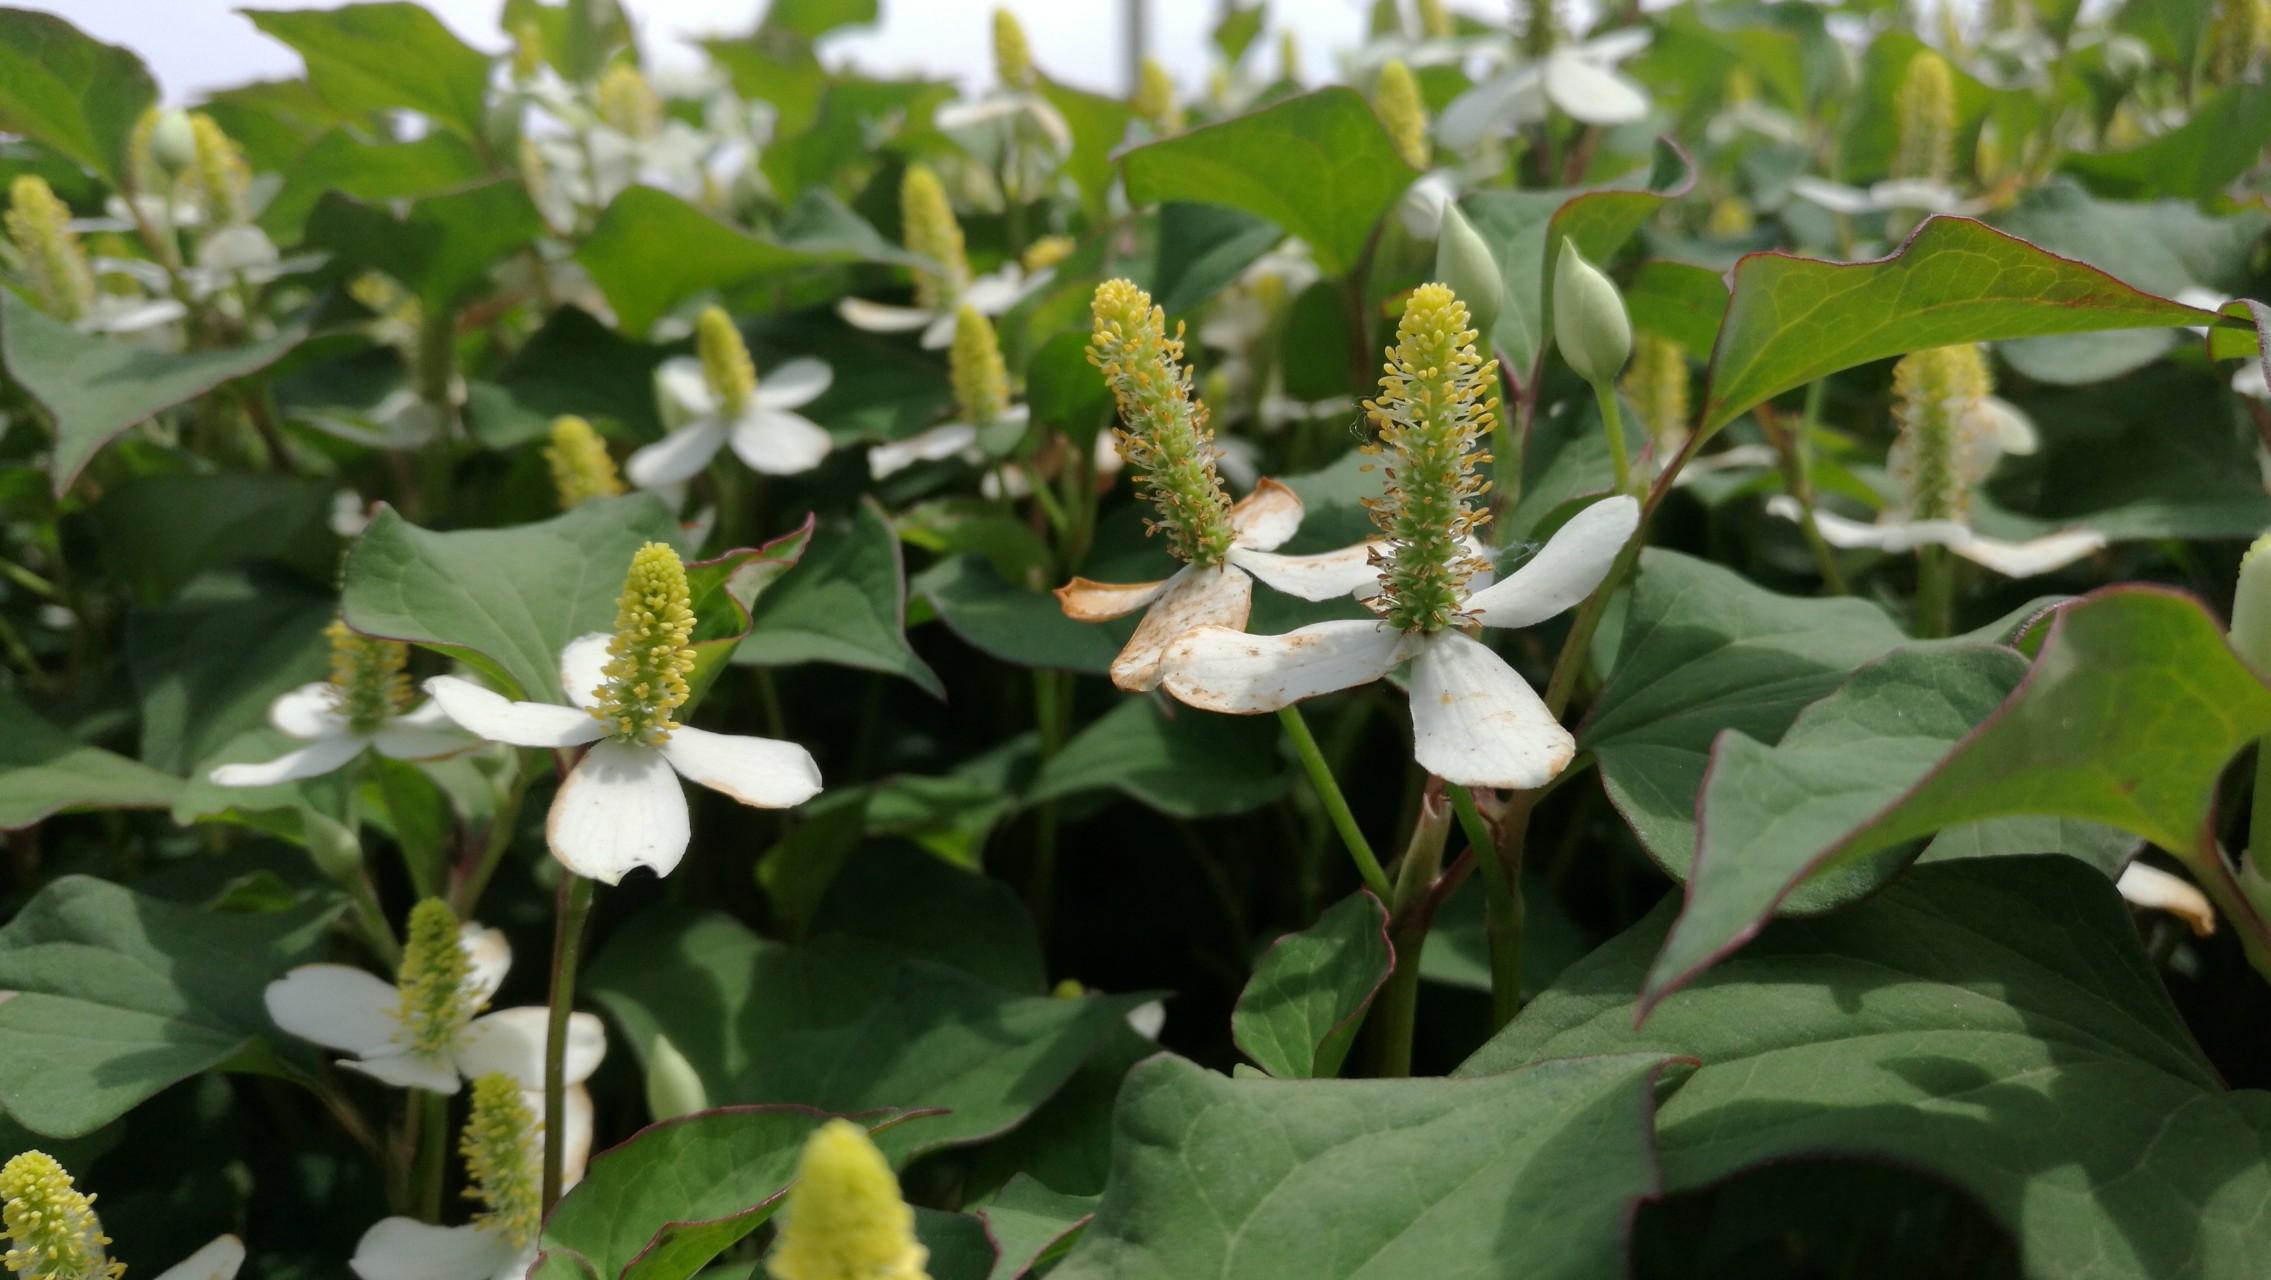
[(1926, 106), (54, 264), (1402, 113), (1165, 437), (436, 1002), (845, 1219), (221, 178), (726, 365), (1436, 399), (649, 658), (504, 1159), (627, 102), (1155, 98), (368, 683), (1046, 252), (1943, 449), (52, 1230), (1013, 57), (981, 380), (581, 468), (1657, 384), (931, 232)]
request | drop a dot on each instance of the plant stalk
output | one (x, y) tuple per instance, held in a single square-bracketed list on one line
[(574, 904), (1336, 804)]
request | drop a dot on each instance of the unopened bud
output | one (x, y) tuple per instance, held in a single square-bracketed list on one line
[(674, 1087), (173, 142), (1464, 262), (1155, 98), (1589, 322), (2251, 607)]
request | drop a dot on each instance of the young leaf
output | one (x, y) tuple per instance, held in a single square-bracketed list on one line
[(848, 606), (1300, 1011)]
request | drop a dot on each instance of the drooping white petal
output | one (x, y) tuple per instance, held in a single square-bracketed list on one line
[(1327, 575), (1220, 669), (938, 335), (1591, 93), (975, 112), (1084, 600), (1836, 197), (1216, 597), (398, 739), (684, 390), (764, 773), (2034, 556), (1476, 722), (575, 1130), (2006, 424), (522, 724), (407, 1249), (313, 760), (882, 317), (511, 1042), (218, 1260), (125, 316), (488, 957), (677, 457), (405, 1070), (1265, 518), (1885, 535), (2249, 380), (792, 384), (1564, 571), (583, 667), (309, 711), (1051, 124), (337, 1006), (776, 442), (1490, 109), (2144, 885), (998, 291), (1613, 47), (621, 807), (935, 445), (1919, 193)]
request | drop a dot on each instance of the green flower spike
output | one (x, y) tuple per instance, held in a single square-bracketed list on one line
[(1013, 57), (648, 659), (981, 380), (1155, 99), (437, 1002), (1926, 107), (726, 365), (369, 683), (932, 232), (1402, 113), (845, 1219), (52, 1230), (1943, 449), (581, 467), (1165, 438), (502, 1143), (54, 265)]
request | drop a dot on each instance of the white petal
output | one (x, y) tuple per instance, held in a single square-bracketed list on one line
[(1884, 535), (407, 1249), (677, 457), (1219, 669), (337, 1006), (522, 724), (2249, 380), (1833, 196), (793, 383), (764, 773), (1918, 193), (934, 445), (2006, 424), (998, 291), (488, 955), (881, 317), (776, 442), (239, 248), (621, 807), (307, 712), (1592, 94), (1564, 571), (684, 389), (1217, 597), (316, 758), (1265, 518), (1614, 46), (1477, 723), (427, 1071), (978, 111), (1084, 600), (218, 1260), (1148, 1018), (1326, 575), (2150, 887), (938, 335), (575, 1130), (511, 1042), (583, 667), (2034, 556), (1490, 109), (398, 740)]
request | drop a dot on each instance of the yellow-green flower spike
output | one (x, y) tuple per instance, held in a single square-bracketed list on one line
[(1657, 385), (368, 680), (581, 467), (1436, 400), (627, 102), (1068, 989), (1288, 56), (504, 1159), (1730, 217), (844, 1217), (726, 366), (1942, 449), (436, 1003), (221, 178), (1541, 27), (981, 380), (1046, 252), (1925, 106), (2240, 38), (649, 659), (54, 265), (932, 232), (1434, 19), (1013, 57), (1165, 436), (52, 1230), (528, 49), (1402, 113), (1155, 98)]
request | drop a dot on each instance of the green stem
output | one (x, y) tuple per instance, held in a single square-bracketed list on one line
[(1336, 805), (2259, 811), (1935, 592), (467, 894), (567, 948), (1612, 418), (433, 1154), (1499, 857), (355, 877), (1048, 716), (1396, 1015)]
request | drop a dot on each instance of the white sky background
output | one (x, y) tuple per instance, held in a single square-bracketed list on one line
[(196, 46)]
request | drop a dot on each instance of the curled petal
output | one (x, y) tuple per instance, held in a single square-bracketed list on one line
[(220, 1259), (337, 1006), (998, 291), (2034, 556), (488, 958), (583, 667), (776, 442), (793, 384), (407, 1249), (764, 773), (2148, 886), (309, 711), (1478, 723), (1221, 669), (1087, 601), (1590, 93), (313, 760), (935, 445), (575, 1129), (684, 389), (1564, 571), (1265, 518), (1884, 535), (677, 457), (620, 807), (427, 1071), (511, 1042), (1327, 575), (1217, 597), (879, 317), (522, 724)]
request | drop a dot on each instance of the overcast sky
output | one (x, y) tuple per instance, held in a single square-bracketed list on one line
[(195, 46)]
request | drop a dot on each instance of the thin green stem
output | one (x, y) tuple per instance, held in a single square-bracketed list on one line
[(1499, 856), (466, 896), (2259, 809), (433, 1154), (1336, 804), (574, 905), (1612, 420), (353, 874), (1395, 1016), (1935, 592)]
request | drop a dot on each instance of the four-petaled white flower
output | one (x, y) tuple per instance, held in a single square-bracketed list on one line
[(957, 439), (1474, 720), (1218, 596), (313, 714), (1578, 78), (361, 1014), (764, 434), (622, 805), (991, 294)]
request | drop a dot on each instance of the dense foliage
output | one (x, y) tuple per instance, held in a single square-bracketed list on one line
[(1595, 652)]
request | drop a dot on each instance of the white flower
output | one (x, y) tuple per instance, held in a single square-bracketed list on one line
[(1218, 596), (765, 435), (1474, 720), (622, 805), (946, 440), (345, 1008), (992, 294), (2147, 886), (1008, 108), (1578, 78), (317, 715), (2011, 559)]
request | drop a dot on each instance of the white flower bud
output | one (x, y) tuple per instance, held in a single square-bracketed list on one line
[(2251, 606), (173, 142), (1464, 262), (1589, 322)]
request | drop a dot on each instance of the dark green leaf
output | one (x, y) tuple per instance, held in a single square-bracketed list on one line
[(44, 770), (1301, 1010), (370, 171), (1180, 762), (442, 249), (847, 607), (651, 250), (72, 93), (366, 58)]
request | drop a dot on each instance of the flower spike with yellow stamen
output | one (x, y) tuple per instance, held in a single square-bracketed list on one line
[(930, 231), (1224, 545), (581, 467), (1474, 720), (1925, 106), (52, 1232), (1402, 113), (219, 177), (622, 805), (54, 265), (1154, 100), (981, 399), (365, 704), (844, 1218), (1013, 57), (716, 400)]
